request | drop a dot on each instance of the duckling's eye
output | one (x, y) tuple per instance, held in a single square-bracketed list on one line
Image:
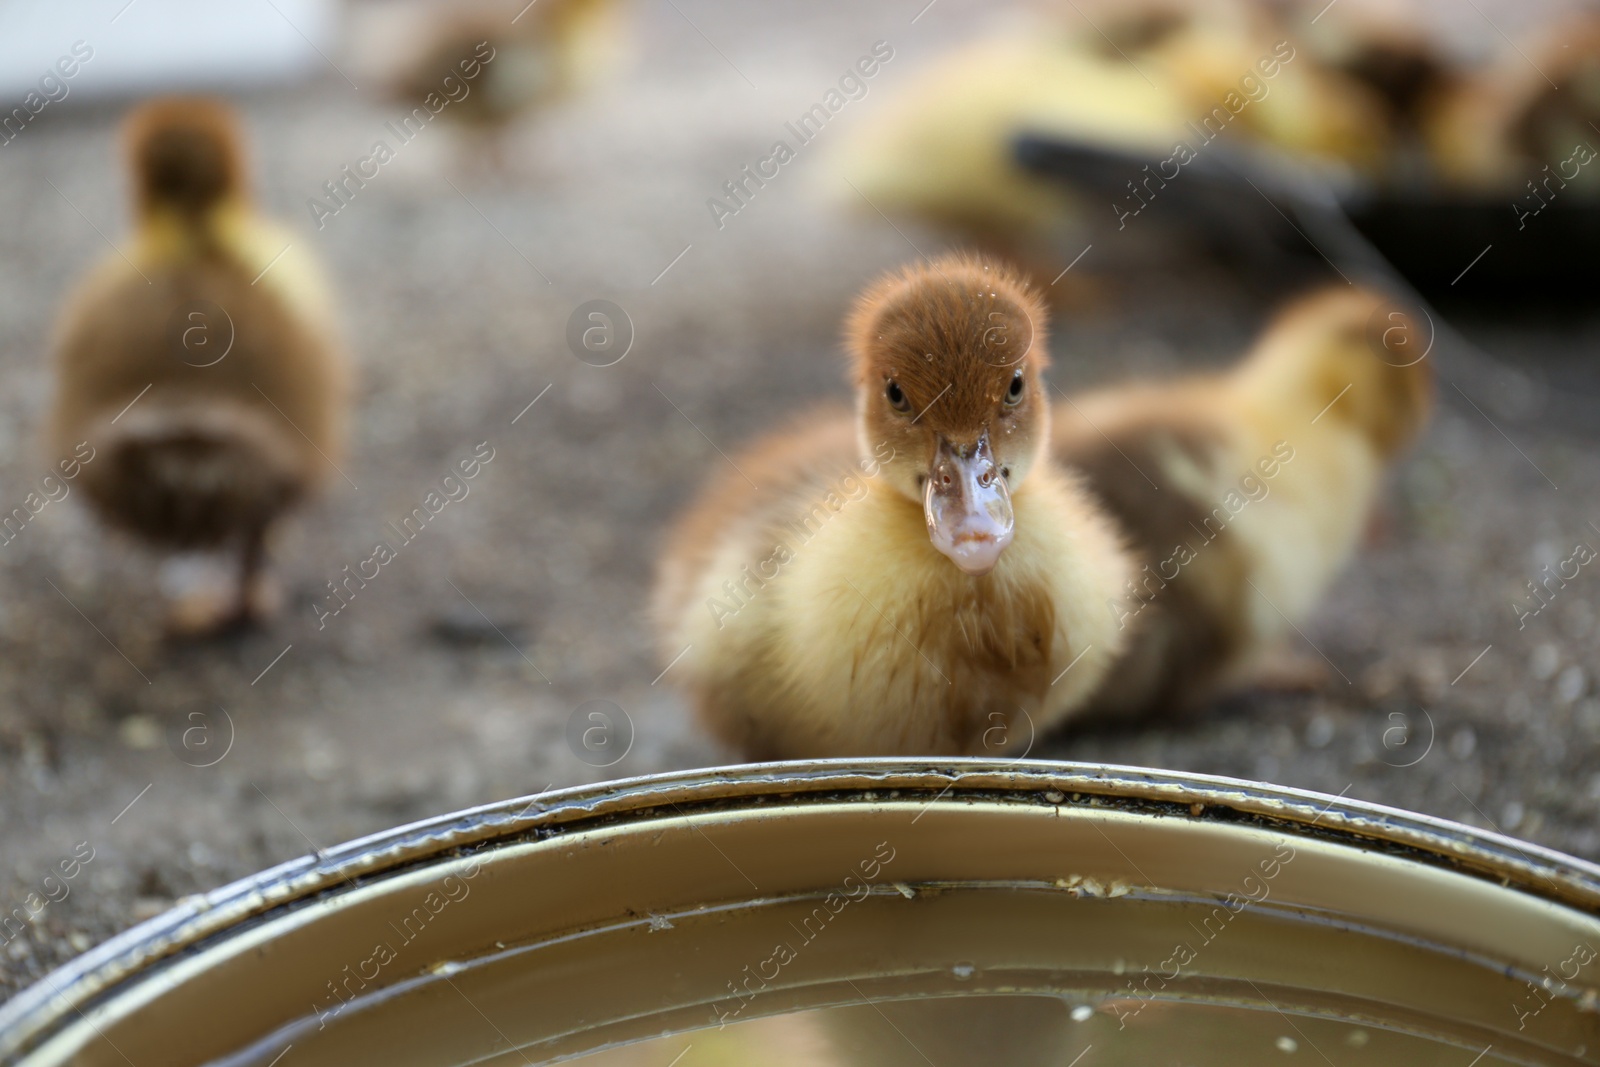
[(897, 396), (1014, 394)]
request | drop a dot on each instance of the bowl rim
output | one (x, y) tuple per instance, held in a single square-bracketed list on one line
[(128, 958)]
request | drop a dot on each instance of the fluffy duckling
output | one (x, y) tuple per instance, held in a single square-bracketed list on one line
[(941, 146), (1528, 123), (202, 367), (1244, 492), (524, 58), (1392, 52), (918, 579), (1239, 62)]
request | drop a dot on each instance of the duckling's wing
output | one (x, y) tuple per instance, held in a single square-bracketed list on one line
[(282, 260)]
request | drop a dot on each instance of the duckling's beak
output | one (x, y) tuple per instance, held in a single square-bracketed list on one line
[(967, 505)]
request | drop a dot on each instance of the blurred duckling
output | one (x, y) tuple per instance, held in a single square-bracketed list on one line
[(940, 147), (511, 59), (917, 579), (1529, 124), (1393, 53), (1239, 60), (202, 368), (1244, 492)]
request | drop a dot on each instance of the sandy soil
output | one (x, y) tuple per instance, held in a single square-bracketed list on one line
[(450, 680)]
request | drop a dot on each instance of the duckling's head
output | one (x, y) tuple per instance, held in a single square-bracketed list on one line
[(185, 155), (948, 356), (1350, 356)]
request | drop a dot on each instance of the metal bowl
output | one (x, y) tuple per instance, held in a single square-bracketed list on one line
[(1039, 909)]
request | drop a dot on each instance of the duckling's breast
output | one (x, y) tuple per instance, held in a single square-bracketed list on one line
[(901, 652), (814, 617)]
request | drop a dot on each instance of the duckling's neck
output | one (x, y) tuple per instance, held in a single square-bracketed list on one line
[(233, 238), (167, 233)]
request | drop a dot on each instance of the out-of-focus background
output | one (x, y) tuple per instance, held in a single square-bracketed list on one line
[(584, 171)]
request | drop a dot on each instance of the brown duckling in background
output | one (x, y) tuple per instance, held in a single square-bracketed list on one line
[(1530, 124), (939, 146), (521, 58), (1219, 57), (1244, 492), (918, 579), (202, 368), (1390, 50), (1139, 80)]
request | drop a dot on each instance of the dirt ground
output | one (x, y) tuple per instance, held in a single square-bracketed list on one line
[(450, 679)]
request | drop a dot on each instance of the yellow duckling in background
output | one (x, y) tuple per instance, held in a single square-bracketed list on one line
[(1388, 48), (1245, 492), (525, 57), (919, 578), (1527, 125), (1139, 81), (940, 147), (1223, 56), (202, 368)]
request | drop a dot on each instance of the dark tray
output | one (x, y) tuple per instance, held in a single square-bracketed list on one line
[(1450, 249)]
